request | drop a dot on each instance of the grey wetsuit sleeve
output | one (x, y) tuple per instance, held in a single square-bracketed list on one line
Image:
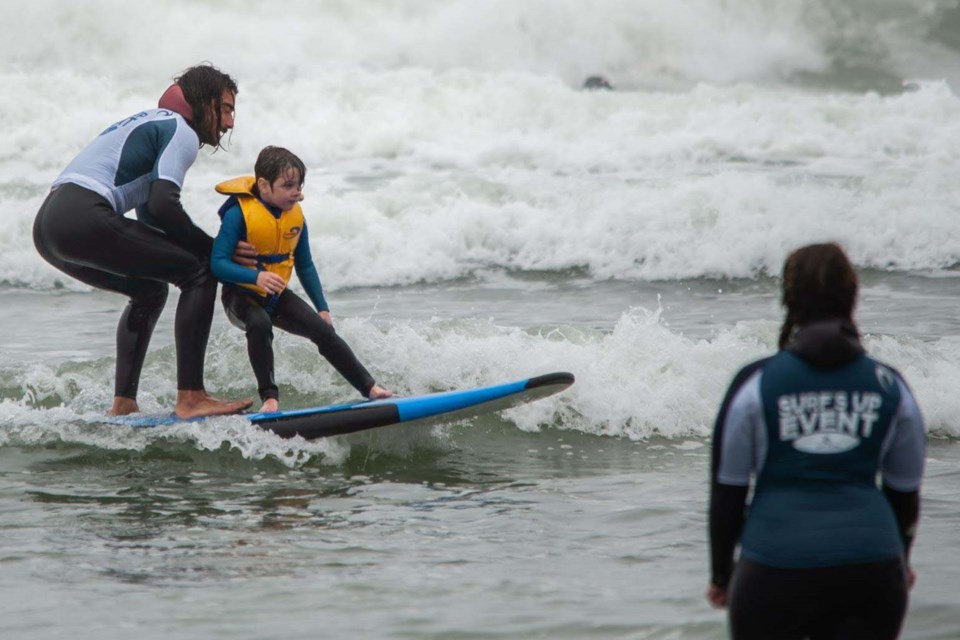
[(744, 445), (903, 454)]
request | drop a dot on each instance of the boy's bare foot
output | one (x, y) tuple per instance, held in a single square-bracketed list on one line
[(379, 393), (123, 406), (270, 405), (197, 403)]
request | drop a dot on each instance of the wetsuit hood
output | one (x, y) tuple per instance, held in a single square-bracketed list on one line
[(173, 100), (827, 344)]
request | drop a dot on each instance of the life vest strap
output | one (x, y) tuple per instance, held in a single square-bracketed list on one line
[(272, 258)]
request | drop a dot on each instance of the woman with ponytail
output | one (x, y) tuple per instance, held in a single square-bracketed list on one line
[(832, 442)]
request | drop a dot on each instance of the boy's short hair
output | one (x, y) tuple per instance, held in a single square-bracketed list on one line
[(275, 161)]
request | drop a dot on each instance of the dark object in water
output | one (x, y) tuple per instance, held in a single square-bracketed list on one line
[(596, 83)]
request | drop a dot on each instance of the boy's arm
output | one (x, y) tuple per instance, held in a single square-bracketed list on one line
[(232, 229), (307, 272)]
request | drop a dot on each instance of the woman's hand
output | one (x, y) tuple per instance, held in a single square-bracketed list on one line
[(717, 596)]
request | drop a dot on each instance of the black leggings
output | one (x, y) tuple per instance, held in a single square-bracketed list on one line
[(295, 316), (79, 233), (852, 602)]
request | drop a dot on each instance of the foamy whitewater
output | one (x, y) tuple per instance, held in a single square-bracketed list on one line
[(477, 216)]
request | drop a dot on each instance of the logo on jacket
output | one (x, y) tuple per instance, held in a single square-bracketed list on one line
[(293, 232), (826, 422), (885, 378)]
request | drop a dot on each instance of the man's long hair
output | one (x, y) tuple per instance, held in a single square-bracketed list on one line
[(202, 85), (819, 283)]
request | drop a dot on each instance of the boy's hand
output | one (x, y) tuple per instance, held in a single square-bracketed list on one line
[(271, 282), (245, 254), (325, 316)]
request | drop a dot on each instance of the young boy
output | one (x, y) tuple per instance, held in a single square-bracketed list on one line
[(264, 210)]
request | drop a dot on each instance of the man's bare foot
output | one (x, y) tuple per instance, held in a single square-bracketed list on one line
[(379, 393), (123, 406), (197, 403), (270, 405)]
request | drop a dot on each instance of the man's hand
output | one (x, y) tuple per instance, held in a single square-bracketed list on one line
[(245, 254), (325, 316)]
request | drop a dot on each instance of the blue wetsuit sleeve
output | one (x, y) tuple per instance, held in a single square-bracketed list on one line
[(307, 272), (232, 230)]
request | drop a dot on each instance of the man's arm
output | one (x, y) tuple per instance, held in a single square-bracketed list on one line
[(245, 254), (167, 213), (232, 229)]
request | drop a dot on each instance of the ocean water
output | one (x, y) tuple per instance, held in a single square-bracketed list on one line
[(477, 217)]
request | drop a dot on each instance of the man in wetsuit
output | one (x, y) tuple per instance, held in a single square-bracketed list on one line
[(140, 163), (835, 443)]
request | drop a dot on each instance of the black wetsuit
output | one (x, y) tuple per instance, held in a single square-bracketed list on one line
[(80, 229), (256, 313), (292, 314)]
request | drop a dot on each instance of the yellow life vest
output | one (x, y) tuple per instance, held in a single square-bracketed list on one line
[(275, 238)]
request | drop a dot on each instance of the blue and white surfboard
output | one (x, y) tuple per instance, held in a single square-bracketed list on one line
[(333, 420)]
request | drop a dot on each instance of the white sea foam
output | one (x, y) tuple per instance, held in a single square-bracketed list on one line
[(636, 42), (450, 139), (447, 137), (636, 381), (457, 170), (413, 177)]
